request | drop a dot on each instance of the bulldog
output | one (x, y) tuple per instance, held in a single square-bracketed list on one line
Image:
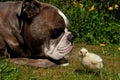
[(34, 33)]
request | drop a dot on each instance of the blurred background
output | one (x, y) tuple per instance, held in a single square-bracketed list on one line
[(93, 21)]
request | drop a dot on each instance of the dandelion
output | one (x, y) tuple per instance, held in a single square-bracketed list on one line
[(119, 48), (92, 8), (102, 45), (74, 2), (116, 6), (110, 8), (81, 5)]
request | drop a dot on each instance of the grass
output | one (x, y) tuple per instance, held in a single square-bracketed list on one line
[(111, 70)]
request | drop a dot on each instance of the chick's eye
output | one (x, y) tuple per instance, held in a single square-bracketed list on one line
[(80, 51)]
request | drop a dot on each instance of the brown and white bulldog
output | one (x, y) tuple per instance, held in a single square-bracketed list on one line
[(34, 33)]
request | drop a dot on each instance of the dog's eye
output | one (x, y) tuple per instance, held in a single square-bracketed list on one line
[(56, 33)]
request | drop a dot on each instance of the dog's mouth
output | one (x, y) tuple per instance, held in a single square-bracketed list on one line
[(63, 48)]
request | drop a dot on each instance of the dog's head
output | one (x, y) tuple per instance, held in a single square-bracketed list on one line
[(44, 29)]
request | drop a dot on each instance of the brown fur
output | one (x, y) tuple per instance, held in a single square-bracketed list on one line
[(26, 28)]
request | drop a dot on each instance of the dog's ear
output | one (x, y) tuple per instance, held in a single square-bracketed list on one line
[(30, 8)]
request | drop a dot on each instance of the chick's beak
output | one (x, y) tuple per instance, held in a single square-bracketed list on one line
[(83, 53)]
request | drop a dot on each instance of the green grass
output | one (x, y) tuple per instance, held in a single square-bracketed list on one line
[(97, 26), (111, 70)]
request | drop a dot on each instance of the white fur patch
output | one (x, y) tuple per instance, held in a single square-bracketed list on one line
[(49, 51), (62, 49), (64, 17), (66, 30), (65, 64)]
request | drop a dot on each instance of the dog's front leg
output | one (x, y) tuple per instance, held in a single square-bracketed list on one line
[(43, 63)]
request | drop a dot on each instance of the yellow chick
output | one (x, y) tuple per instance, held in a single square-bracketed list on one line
[(89, 60)]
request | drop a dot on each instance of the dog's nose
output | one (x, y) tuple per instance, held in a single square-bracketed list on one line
[(70, 37)]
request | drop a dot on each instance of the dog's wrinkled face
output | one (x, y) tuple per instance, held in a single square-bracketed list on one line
[(61, 49), (45, 30)]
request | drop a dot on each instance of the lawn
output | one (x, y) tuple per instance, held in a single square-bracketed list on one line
[(91, 22), (111, 70)]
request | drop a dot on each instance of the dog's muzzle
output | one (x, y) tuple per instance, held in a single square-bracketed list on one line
[(63, 48)]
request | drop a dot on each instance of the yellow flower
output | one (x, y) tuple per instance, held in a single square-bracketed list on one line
[(81, 5), (75, 3), (92, 8), (116, 6), (119, 48), (102, 45), (110, 8)]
